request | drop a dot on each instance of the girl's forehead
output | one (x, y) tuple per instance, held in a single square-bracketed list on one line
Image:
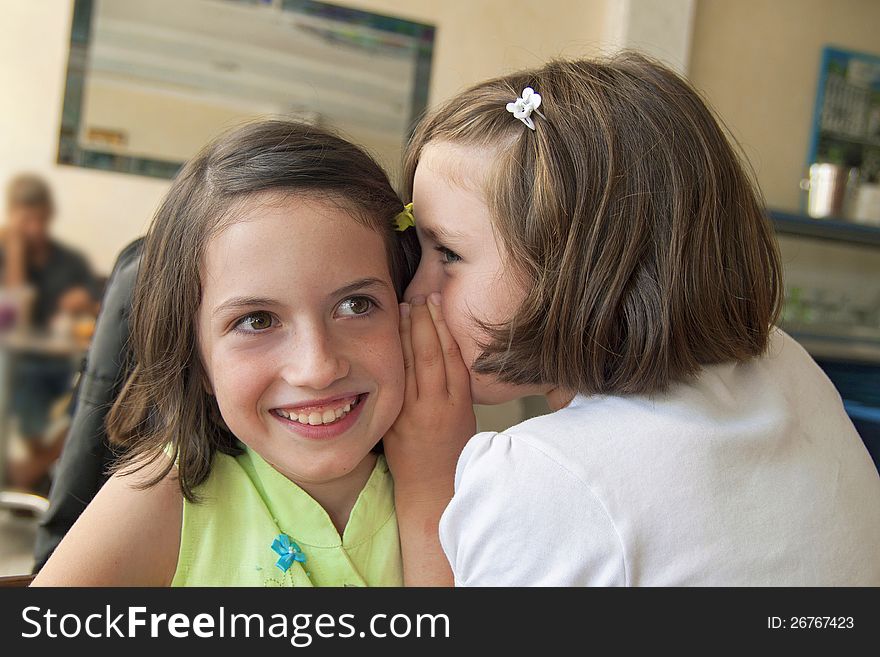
[(461, 165), (289, 203), (289, 214), (302, 242)]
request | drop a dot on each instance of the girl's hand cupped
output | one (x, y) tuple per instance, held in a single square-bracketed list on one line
[(437, 419), (423, 445)]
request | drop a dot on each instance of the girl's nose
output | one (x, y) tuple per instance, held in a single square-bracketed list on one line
[(313, 361), (423, 283)]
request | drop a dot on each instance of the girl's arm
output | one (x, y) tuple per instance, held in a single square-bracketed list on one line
[(125, 537), (423, 446)]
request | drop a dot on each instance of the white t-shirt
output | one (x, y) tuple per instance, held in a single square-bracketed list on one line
[(750, 475)]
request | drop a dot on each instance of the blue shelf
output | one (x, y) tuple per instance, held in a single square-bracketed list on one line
[(825, 229)]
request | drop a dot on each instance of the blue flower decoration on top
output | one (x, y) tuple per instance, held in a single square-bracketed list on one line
[(289, 552)]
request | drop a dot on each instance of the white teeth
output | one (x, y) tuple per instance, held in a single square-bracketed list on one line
[(315, 418)]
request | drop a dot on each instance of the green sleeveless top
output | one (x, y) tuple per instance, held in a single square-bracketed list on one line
[(245, 504)]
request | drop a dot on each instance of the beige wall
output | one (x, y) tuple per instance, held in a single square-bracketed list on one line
[(477, 39), (757, 61), (100, 212)]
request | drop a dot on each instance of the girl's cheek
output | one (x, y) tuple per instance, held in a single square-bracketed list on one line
[(238, 377), (462, 329)]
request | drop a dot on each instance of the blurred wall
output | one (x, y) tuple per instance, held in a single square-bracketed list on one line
[(99, 212), (757, 61), (477, 39)]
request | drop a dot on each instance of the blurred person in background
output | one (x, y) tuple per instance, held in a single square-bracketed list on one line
[(84, 465), (58, 286)]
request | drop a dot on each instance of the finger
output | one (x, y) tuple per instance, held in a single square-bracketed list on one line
[(457, 375), (409, 365), (427, 353)]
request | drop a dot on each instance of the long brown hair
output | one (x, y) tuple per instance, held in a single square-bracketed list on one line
[(638, 234), (164, 405)]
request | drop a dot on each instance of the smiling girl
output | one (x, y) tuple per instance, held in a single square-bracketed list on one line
[(268, 366)]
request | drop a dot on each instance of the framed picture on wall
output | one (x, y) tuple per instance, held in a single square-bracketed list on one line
[(149, 83), (846, 120)]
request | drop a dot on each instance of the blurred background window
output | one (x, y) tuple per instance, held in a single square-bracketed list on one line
[(149, 83)]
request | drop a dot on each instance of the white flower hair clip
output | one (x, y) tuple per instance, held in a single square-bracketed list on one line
[(523, 107)]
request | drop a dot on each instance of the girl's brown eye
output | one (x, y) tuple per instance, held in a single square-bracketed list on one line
[(258, 321), (355, 306)]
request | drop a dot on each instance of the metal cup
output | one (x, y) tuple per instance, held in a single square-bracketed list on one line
[(828, 189)]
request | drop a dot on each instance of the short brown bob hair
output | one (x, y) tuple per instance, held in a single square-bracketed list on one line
[(164, 405), (640, 239)]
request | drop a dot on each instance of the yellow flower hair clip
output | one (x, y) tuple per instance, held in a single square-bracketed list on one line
[(404, 218)]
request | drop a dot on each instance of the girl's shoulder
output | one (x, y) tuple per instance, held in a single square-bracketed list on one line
[(129, 535), (516, 517)]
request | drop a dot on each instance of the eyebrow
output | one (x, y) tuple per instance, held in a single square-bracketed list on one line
[(360, 284), (244, 302), (234, 303), (442, 235)]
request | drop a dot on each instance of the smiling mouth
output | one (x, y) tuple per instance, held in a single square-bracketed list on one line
[(323, 416)]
